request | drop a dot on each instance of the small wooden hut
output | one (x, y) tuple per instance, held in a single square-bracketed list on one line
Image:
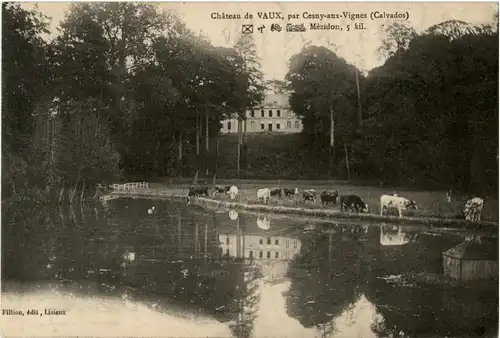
[(472, 260)]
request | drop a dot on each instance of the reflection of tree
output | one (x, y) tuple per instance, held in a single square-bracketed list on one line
[(248, 300), (326, 276), (422, 310)]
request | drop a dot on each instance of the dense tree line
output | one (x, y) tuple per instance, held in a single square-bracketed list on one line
[(122, 89), (427, 117)]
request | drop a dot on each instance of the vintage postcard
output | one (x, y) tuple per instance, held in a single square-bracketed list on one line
[(249, 169)]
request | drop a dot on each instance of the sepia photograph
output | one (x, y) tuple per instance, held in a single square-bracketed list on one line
[(250, 169)]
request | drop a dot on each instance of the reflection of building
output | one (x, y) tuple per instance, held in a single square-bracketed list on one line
[(273, 115), (393, 235), (259, 247)]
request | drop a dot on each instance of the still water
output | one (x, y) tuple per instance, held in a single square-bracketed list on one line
[(186, 271)]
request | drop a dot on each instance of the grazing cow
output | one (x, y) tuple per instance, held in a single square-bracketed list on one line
[(473, 209), (197, 190), (329, 196), (233, 191), (354, 202), (398, 202), (221, 189), (290, 191), (309, 195), (264, 194), (275, 192)]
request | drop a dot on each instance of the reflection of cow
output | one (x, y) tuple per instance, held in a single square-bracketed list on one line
[(233, 215), (393, 235), (263, 222)]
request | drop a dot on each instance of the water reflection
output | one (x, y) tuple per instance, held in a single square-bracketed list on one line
[(264, 222), (393, 235), (289, 280)]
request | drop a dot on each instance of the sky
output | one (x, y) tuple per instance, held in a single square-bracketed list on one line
[(358, 47)]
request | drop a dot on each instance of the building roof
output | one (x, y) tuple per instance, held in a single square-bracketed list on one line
[(474, 250), (275, 101)]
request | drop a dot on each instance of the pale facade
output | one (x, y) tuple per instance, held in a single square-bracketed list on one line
[(274, 115)]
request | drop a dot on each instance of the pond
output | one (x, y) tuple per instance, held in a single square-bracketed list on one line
[(186, 271)]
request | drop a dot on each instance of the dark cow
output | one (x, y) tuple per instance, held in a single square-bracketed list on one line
[(275, 192), (290, 191), (309, 195), (329, 196), (221, 189), (197, 190), (354, 202)]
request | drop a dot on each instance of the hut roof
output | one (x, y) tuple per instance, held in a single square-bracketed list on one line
[(474, 250)]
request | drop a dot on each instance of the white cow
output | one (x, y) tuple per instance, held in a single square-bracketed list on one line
[(233, 191), (264, 194), (473, 209), (398, 202)]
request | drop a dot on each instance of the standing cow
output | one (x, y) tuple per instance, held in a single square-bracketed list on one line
[(221, 189), (398, 202), (275, 192), (197, 190), (473, 209), (329, 196), (291, 191), (233, 192), (309, 195), (264, 194), (355, 203)]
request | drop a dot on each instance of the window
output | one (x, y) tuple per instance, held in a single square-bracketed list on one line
[(276, 242), (295, 244), (227, 240), (252, 113), (288, 124), (269, 254), (278, 113), (252, 124), (260, 254), (229, 126), (287, 244), (262, 113), (276, 255), (251, 254), (262, 126), (296, 124), (277, 126), (268, 240), (270, 113), (261, 241)]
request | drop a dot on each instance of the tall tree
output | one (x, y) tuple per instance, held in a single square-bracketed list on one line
[(253, 85)]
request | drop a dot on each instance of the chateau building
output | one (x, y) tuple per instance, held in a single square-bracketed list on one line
[(273, 115)]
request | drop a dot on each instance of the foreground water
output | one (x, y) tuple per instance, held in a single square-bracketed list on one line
[(184, 271)]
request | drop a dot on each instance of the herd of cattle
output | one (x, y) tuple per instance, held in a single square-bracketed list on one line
[(471, 212)]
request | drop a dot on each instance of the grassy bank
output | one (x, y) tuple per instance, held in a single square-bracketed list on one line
[(292, 206), (430, 203)]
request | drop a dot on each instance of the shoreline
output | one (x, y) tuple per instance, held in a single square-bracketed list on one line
[(321, 214)]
